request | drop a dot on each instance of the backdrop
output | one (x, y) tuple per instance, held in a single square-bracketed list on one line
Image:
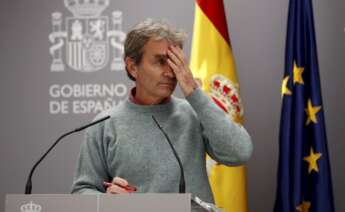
[(49, 86)]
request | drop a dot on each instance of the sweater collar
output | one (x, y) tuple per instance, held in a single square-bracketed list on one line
[(138, 102)]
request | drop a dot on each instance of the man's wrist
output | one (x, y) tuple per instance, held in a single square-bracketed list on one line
[(191, 88)]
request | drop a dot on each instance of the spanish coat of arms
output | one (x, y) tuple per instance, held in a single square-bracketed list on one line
[(86, 37)]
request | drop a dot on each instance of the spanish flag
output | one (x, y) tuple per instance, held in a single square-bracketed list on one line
[(213, 63)]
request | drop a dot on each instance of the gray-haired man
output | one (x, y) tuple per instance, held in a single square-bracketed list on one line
[(130, 149)]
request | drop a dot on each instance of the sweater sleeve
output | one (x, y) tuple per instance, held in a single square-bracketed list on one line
[(226, 142), (91, 166)]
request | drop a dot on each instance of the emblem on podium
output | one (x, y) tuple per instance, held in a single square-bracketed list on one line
[(30, 207)]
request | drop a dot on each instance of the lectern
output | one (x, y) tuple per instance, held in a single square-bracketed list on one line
[(101, 203)]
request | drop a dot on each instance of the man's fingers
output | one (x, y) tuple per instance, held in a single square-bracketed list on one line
[(179, 53), (120, 181), (114, 189), (174, 67), (177, 57), (174, 58)]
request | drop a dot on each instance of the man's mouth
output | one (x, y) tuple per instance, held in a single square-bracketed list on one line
[(167, 84)]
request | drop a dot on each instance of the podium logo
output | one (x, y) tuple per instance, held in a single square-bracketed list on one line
[(85, 37), (30, 207)]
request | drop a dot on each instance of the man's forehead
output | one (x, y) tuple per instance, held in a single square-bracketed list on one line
[(157, 48)]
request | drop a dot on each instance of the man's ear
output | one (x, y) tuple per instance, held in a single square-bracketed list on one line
[(131, 67)]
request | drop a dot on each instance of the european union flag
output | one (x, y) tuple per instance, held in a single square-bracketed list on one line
[(304, 175)]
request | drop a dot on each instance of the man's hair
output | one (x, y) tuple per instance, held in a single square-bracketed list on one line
[(140, 34)]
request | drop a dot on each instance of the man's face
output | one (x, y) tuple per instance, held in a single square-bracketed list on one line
[(155, 80)]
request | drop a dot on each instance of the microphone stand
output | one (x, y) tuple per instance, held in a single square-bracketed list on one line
[(182, 185), (205, 206), (28, 186)]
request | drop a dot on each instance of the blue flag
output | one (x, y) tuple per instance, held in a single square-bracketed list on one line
[(304, 176)]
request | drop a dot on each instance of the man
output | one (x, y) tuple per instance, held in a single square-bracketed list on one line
[(130, 149)]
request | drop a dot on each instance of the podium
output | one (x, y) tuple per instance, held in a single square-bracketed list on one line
[(100, 203)]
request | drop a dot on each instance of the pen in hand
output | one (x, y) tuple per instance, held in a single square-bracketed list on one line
[(128, 188)]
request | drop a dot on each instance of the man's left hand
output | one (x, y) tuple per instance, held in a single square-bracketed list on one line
[(179, 64)]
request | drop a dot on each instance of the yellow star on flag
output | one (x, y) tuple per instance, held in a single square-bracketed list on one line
[(297, 74), (304, 207), (285, 89), (312, 160), (311, 112)]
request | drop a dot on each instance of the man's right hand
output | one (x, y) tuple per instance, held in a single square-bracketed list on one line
[(117, 186)]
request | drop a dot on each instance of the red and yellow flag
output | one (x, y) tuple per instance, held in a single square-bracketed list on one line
[(213, 63)]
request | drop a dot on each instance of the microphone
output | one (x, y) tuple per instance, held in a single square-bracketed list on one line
[(28, 186), (182, 185)]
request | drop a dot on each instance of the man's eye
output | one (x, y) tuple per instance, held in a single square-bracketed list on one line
[(162, 61)]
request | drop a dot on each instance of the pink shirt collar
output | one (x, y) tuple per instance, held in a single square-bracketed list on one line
[(138, 102)]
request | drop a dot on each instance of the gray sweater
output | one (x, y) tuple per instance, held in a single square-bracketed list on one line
[(131, 146)]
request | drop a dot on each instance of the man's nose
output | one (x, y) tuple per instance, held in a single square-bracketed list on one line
[(168, 72)]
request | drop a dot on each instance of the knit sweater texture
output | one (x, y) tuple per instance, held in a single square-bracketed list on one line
[(131, 146)]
